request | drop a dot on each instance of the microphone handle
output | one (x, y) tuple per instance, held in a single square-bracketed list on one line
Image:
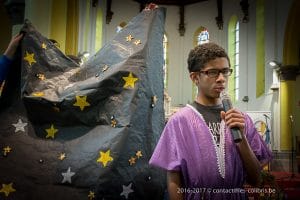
[(236, 134)]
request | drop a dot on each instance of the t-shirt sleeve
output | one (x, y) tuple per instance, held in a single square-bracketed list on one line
[(165, 154), (258, 145)]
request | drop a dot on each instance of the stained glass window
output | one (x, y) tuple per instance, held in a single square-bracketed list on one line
[(203, 37)]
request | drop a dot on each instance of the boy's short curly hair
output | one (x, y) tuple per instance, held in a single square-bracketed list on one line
[(204, 53)]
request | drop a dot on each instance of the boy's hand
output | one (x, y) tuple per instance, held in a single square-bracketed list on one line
[(234, 118), (12, 47)]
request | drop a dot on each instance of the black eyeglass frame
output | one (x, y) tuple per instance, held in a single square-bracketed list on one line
[(213, 73)]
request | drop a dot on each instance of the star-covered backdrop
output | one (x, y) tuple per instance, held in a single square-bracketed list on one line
[(86, 132)]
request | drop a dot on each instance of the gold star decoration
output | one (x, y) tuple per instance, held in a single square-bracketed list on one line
[(105, 68), (132, 160), (51, 131), (41, 76), (6, 150), (38, 94), (139, 154), (105, 157), (62, 156), (91, 195), (113, 123), (129, 38), (137, 42), (29, 57), (129, 81), (81, 102), (7, 188), (44, 46)]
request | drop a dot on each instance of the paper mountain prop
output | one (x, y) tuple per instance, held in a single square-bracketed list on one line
[(87, 132)]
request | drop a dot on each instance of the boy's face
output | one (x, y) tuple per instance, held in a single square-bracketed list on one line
[(211, 80)]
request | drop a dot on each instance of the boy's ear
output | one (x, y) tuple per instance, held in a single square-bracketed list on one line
[(194, 77)]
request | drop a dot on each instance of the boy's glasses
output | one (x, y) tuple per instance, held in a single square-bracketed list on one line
[(213, 73)]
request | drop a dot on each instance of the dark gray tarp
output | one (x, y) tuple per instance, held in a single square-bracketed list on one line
[(105, 117)]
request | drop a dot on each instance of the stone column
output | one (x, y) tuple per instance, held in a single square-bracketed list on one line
[(287, 74)]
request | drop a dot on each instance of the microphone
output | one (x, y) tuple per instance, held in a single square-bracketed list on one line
[(235, 132)]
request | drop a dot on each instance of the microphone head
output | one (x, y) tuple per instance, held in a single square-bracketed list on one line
[(225, 98), (224, 95)]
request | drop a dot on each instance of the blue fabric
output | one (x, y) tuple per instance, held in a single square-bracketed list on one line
[(4, 66)]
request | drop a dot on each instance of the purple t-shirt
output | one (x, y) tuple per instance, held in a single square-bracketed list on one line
[(186, 145)]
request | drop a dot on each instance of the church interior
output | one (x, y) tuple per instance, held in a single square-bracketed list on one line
[(262, 38)]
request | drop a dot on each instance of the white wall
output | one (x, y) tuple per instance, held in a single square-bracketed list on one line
[(39, 13), (124, 11)]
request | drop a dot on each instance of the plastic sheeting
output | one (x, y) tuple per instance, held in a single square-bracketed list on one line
[(86, 132)]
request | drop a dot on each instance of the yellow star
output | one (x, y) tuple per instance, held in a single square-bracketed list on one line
[(38, 94), (129, 81), (139, 154), (62, 156), (6, 150), (132, 160), (44, 46), (29, 58), (41, 76), (51, 131), (91, 195), (129, 38), (7, 188), (81, 102), (137, 42), (113, 123), (105, 157)]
